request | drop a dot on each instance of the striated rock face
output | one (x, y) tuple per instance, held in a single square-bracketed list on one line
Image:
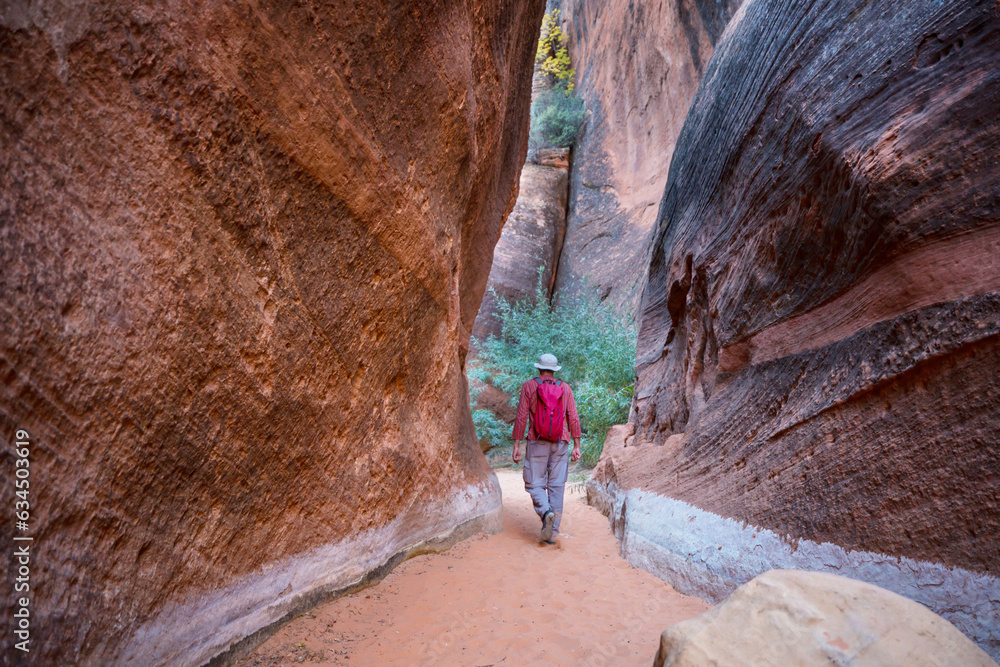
[(531, 240), (787, 617), (242, 249), (820, 334), (638, 66), (824, 296)]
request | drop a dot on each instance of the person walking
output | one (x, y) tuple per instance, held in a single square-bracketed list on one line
[(552, 410)]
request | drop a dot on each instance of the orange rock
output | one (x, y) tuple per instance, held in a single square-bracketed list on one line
[(531, 240), (242, 250), (638, 67)]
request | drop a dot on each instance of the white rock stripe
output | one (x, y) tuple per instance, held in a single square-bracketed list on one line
[(209, 625)]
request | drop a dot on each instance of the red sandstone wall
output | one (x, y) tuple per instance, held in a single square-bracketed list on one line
[(821, 329), (638, 66), (241, 249), (531, 240)]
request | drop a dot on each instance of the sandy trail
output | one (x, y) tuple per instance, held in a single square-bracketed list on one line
[(497, 600)]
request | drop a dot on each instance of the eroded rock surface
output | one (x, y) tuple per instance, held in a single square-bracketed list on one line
[(822, 319), (531, 240), (638, 66), (788, 617), (242, 249), (820, 334)]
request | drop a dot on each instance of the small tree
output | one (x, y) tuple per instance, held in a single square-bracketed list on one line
[(556, 117), (553, 55), (557, 112)]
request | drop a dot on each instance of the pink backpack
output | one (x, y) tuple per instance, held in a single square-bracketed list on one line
[(550, 411)]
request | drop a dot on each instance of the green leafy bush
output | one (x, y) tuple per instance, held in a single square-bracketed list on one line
[(595, 347), (490, 429), (556, 116)]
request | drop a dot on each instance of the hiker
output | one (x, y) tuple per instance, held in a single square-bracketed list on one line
[(549, 402)]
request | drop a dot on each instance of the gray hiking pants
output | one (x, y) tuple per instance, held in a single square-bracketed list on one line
[(546, 466)]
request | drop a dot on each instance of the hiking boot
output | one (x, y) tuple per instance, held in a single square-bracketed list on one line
[(548, 519)]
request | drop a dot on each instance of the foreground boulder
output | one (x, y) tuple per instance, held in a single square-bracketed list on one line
[(820, 332), (241, 250), (788, 617)]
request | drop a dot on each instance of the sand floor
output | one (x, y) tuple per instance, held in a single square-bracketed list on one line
[(497, 600)]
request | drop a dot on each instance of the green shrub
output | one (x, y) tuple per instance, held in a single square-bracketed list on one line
[(556, 116), (491, 430), (595, 347)]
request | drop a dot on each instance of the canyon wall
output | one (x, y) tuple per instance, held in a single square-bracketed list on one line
[(531, 240), (241, 250), (638, 66), (820, 333)]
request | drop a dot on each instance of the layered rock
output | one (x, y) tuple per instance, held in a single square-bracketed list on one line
[(638, 66), (787, 617), (531, 240), (242, 249), (821, 329)]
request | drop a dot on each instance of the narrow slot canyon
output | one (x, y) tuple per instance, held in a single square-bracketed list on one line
[(309, 308)]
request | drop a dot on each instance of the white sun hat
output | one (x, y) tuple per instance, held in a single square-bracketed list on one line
[(548, 362)]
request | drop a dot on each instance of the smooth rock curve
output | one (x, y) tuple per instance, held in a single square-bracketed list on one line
[(822, 320), (820, 332), (242, 249)]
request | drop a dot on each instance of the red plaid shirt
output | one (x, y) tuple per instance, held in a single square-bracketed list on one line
[(526, 406)]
